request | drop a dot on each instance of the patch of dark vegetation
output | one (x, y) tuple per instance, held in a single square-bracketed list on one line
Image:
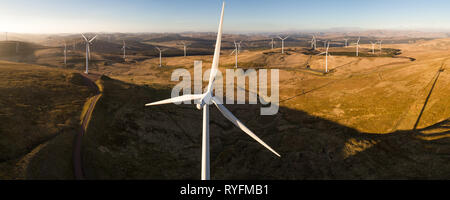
[(386, 52), (311, 52)]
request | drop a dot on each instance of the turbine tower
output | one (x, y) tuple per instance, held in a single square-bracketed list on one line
[(160, 55), (236, 53), (204, 100), (380, 45), (346, 42), (373, 47), (124, 47), (88, 51), (313, 42), (273, 42), (326, 57), (282, 43), (185, 48), (357, 46), (239, 46), (65, 53)]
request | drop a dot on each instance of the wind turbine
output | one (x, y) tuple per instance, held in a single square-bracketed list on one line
[(380, 45), (185, 47), (357, 46), (313, 43), (272, 43), (346, 40), (239, 46), (88, 51), (373, 47), (160, 55), (124, 47), (326, 57), (236, 53), (65, 53), (205, 100), (282, 43)]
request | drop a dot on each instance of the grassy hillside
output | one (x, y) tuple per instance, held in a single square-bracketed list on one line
[(129, 141), (40, 112)]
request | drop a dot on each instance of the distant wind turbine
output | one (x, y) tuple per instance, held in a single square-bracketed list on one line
[(313, 42), (88, 51), (239, 46), (373, 47), (357, 46), (160, 55), (273, 42), (346, 42), (185, 47), (124, 48), (282, 43), (205, 100), (236, 53), (326, 57), (65, 53), (381, 49)]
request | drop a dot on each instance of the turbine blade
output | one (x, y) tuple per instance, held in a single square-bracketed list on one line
[(84, 37), (233, 52), (215, 63), (239, 124), (179, 99), (92, 39)]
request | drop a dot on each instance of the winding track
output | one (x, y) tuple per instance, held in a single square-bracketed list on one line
[(77, 158)]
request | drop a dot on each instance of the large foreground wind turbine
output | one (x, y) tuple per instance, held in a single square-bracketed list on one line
[(282, 43), (204, 100), (88, 51)]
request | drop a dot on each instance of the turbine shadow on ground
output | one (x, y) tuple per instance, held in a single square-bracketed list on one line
[(435, 78), (126, 140)]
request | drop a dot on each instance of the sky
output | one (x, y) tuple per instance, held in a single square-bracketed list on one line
[(70, 16)]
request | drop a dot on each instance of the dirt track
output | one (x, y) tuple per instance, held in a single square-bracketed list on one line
[(77, 158)]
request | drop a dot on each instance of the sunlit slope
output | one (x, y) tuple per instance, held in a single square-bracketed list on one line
[(369, 93), (126, 140), (38, 105)]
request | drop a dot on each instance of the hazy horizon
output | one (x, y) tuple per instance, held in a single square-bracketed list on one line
[(157, 16)]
